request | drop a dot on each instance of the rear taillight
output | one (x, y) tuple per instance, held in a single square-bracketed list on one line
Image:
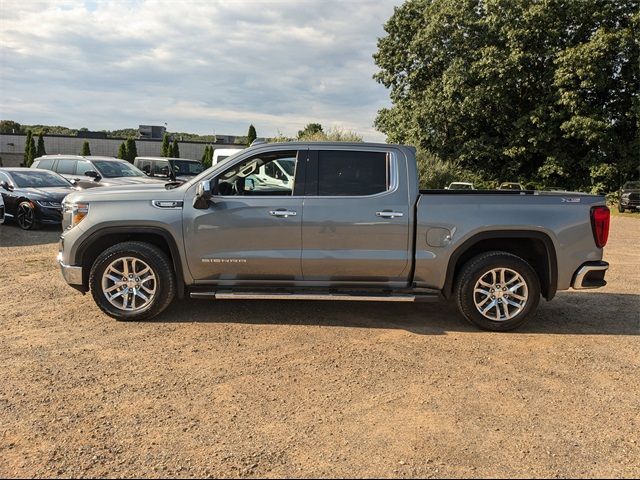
[(600, 217)]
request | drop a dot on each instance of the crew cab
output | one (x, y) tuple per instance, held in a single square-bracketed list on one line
[(353, 225)]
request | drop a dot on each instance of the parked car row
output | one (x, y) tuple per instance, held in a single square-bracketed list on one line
[(33, 197)]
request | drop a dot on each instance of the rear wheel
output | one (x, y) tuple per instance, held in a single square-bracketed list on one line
[(132, 281), (497, 291), (26, 216)]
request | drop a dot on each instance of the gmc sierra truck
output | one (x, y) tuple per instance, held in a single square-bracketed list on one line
[(351, 225)]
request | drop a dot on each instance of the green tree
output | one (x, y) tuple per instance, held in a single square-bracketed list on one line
[(166, 146), (131, 150), (32, 151), (334, 134), (516, 89), (86, 150), (251, 134), (9, 126), (205, 155), (210, 155), (40, 150), (26, 161), (122, 151), (175, 150), (310, 130)]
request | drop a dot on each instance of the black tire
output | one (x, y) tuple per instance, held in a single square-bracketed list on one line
[(26, 216), (475, 269), (620, 208), (156, 259)]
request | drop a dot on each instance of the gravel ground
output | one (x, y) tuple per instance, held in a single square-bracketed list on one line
[(303, 389)]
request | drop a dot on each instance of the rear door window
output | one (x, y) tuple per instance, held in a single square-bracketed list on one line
[(46, 163), (352, 174), (66, 166)]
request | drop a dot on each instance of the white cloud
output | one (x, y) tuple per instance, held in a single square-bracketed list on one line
[(199, 66)]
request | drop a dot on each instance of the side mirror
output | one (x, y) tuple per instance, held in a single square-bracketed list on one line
[(250, 184), (206, 189), (93, 174), (4, 184)]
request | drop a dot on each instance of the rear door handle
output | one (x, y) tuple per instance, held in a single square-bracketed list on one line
[(389, 214), (282, 213)]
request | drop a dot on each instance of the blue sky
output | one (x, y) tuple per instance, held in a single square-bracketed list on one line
[(200, 66)]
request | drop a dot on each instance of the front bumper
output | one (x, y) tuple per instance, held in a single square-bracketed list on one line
[(72, 275), (590, 275)]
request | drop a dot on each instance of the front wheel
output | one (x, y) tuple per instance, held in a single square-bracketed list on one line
[(497, 291), (620, 208), (26, 216), (132, 281)]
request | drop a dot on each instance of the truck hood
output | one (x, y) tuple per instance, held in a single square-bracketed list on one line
[(141, 191), (107, 182)]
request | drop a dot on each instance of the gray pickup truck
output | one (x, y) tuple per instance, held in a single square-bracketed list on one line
[(350, 224)]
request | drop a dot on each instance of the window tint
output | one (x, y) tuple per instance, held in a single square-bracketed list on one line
[(67, 167), (84, 166), (349, 174), (46, 163)]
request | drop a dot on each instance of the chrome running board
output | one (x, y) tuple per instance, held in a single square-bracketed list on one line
[(227, 295)]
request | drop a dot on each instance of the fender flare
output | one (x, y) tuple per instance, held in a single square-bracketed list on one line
[(550, 267), (127, 230)]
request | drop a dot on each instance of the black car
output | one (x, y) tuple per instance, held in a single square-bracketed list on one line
[(33, 197), (629, 197), (92, 171)]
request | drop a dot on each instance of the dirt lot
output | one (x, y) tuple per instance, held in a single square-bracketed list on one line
[(293, 389)]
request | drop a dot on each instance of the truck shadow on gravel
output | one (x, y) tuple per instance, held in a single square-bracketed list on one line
[(11, 235), (570, 313)]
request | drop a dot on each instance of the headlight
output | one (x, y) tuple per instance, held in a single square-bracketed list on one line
[(44, 203), (78, 212), (626, 195)]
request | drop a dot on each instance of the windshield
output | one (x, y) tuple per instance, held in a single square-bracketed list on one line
[(183, 167), (631, 186), (37, 179), (113, 169)]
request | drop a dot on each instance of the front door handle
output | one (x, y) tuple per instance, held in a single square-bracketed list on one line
[(389, 214), (283, 213)]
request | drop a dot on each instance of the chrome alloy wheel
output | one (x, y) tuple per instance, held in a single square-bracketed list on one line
[(129, 284), (500, 294)]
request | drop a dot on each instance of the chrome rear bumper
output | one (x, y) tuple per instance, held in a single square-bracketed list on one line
[(590, 275)]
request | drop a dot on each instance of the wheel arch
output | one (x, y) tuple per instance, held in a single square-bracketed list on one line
[(98, 241), (535, 247)]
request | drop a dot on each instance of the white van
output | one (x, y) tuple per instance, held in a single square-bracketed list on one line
[(221, 154)]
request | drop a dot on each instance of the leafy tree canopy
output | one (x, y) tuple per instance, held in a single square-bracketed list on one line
[(517, 89), (310, 130)]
